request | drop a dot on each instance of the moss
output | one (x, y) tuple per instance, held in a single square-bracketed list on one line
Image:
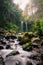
[(27, 46), (26, 37), (28, 34), (14, 53)]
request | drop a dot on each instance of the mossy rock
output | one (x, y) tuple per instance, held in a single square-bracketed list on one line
[(19, 38), (27, 46), (13, 53), (36, 40), (35, 34), (26, 37), (28, 34)]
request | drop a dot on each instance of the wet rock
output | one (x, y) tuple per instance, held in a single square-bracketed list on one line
[(8, 47), (40, 63), (27, 49), (1, 61), (13, 53), (29, 63), (1, 36), (42, 43), (10, 37), (19, 38), (7, 37), (42, 57), (15, 60), (35, 45), (13, 37), (36, 40), (27, 46), (35, 60), (35, 57), (3, 43), (21, 42), (1, 47), (11, 40)]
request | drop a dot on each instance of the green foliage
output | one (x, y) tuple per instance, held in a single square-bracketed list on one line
[(38, 27), (10, 16), (42, 1), (28, 35), (14, 53), (27, 45), (41, 23)]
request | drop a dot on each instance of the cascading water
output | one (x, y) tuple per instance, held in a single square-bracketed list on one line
[(26, 27), (23, 58), (21, 26)]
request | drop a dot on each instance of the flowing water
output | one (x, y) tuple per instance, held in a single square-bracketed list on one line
[(21, 26), (26, 26), (20, 59)]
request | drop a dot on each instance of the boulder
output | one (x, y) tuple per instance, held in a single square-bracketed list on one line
[(35, 40), (10, 37), (29, 63), (8, 47), (35, 45), (1, 61), (1, 47), (42, 43), (3, 43)]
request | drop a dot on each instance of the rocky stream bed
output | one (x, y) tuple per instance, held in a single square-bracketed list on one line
[(12, 53)]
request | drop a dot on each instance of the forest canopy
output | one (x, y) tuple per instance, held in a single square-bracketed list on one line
[(11, 17)]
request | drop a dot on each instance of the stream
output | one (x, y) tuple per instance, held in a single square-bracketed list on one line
[(23, 58)]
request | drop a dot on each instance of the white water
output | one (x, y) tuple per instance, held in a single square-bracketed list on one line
[(22, 57), (21, 26), (26, 27), (5, 52)]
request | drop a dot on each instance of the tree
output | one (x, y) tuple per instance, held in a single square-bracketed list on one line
[(10, 15), (38, 27)]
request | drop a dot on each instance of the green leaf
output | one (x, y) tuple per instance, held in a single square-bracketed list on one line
[(42, 1)]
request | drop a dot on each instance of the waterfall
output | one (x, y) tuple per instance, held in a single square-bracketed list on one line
[(21, 26), (26, 26)]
